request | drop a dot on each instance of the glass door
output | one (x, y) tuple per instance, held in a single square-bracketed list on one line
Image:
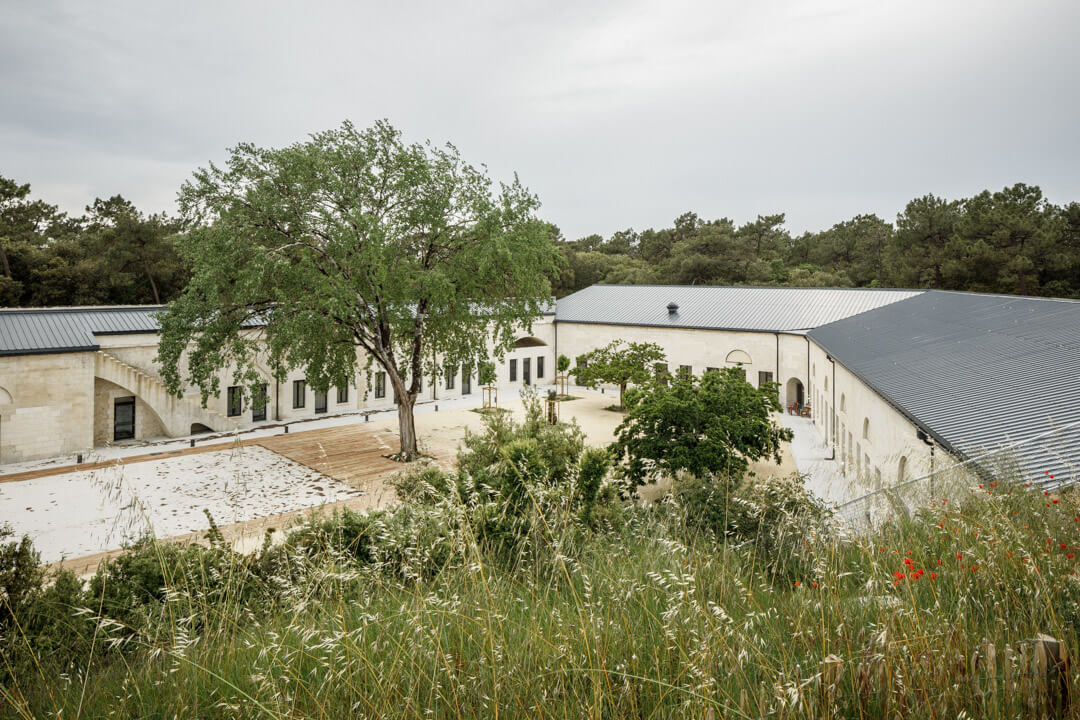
[(124, 418)]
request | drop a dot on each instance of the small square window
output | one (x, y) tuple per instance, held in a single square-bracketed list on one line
[(686, 371)]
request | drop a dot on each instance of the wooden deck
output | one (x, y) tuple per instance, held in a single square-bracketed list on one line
[(352, 454)]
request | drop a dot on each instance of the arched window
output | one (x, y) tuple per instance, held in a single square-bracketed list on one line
[(738, 357), (866, 429)]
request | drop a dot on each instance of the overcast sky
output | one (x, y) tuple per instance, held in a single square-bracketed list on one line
[(617, 114)]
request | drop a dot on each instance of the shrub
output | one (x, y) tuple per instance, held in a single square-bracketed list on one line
[(772, 519)]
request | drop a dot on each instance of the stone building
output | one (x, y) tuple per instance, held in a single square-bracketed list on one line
[(894, 380)]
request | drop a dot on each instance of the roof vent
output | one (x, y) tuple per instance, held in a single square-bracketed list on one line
[(672, 308)]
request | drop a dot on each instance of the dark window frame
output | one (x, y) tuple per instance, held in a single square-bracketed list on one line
[(451, 375), (466, 380), (299, 394), (380, 384), (539, 367), (234, 401), (513, 370), (342, 394), (260, 404)]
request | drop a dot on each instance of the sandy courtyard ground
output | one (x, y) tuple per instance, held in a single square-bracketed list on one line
[(87, 512), (84, 513)]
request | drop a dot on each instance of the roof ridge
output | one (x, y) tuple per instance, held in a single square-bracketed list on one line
[(77, 309)]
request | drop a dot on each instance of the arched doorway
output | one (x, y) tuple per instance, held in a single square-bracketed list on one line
[(794, 392)]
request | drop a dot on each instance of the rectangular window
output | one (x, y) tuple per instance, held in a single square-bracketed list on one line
[(236, 401), (540, 367), (513, 370), (343, 394), (686, 371), (712, 369), (526, 371), (380, 384), (660, 369), (258, 406), (299, 393), (451, 374), (466, 380), (764, 377), (320, 401)]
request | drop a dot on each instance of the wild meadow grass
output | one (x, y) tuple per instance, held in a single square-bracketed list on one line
[(643, 620)]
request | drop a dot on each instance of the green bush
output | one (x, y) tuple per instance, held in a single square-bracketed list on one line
[(771, 519)]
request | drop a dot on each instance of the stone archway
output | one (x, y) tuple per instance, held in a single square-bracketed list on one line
[(794, 392)]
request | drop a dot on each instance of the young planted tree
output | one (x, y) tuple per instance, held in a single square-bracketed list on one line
[(352, 240), (619, 363), (711, 427)]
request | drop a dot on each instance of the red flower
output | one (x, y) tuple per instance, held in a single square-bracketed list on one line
[(959, 556), (933, 576), (797, 583), (1063, 545), (898, 575), (1054, 501), (974, 568), (814, 584), (1069, 555)]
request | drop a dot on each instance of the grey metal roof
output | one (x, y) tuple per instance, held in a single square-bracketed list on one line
[(767, 309), (29, 331), (981, 373)]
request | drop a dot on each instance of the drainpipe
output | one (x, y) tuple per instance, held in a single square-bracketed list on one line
[(832, 439), (277, 399), (777, 378)]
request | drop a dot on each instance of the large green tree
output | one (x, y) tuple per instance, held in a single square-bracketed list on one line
[(353, 239), (711, 427), (143, 266), (619, 363)]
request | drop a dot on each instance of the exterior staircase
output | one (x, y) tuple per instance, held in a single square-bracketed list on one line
[(177, 414)]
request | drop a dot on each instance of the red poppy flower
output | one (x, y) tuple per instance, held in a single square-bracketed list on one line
[(933, 576)]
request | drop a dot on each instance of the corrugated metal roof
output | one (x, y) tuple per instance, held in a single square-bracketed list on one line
[(981, 373), (768, 309), (28, 331)]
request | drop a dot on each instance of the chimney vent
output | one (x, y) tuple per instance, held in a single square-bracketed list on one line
[(672, 308)]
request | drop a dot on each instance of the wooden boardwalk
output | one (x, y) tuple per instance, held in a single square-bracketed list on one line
[(352, 454)]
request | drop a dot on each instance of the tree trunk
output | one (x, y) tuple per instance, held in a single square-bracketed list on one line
[(407, 427), (622, 388), (153, 285), (4, 259)]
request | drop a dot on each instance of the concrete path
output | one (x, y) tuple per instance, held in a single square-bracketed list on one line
[(824, 477)]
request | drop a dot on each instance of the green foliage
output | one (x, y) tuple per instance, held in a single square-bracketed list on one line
[(711, 428), (352, 239), (562, 364), (116, 255), (620, 363), (774, 518), (1009, 241)]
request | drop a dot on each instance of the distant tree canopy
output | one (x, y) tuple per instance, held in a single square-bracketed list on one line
[(1012, 241), (115, 255)]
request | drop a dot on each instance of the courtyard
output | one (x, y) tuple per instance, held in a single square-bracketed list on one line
[(268, 479)]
